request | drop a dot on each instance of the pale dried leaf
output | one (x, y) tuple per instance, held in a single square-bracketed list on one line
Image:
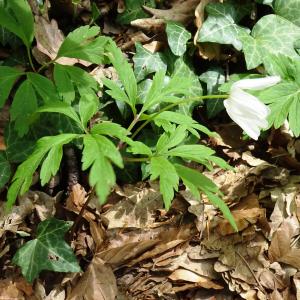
[(97, 282), (136, 210)]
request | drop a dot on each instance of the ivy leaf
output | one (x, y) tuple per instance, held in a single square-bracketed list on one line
[(177, 37), (23, 177), (17, 149), (82, 43), (8, 76), (24, 104), (289, 9), (48, 251), (213, 77), (5, 170), (126, 76), (146, 62), (134, 10), (7, 37), (98, 153), (161, 168), (270, 35), (16, 16), (221, 24)]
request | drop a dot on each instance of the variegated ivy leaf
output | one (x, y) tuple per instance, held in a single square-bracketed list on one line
[(146, 62), (289, 9), (48, 251), (271, 35), (221, 25), (177, 37)]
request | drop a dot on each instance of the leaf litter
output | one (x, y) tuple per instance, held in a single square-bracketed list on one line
[(131, 248)]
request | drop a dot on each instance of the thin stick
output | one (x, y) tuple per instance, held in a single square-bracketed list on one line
[(79, 217)]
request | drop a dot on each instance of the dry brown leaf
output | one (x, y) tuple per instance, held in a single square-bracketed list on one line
[(182, 11), (137, 208), (16, 217), (97, 282), (149, 24), (49, 38), (189, 276), (280, 248), (76, 201)]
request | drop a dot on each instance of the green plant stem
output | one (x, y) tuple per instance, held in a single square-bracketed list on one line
[(170, 106), (133, 159), (30, 59), (45, 66)]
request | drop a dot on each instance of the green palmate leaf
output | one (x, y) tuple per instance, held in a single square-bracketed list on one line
[(196, 153), (5, 170), (98, 153), (289, 9), (88, 106), (111, 129), (221, 24), (196, 182), (177, 37), (271, 35), (62, 108), (82, 43), (48, 251), (125, 74), (139, 148), (146, 62), (64, 83), (16, 16), (24, 105), (134, 10), (79, 78), (284, 100), (213, 78), (8, 76), (170, 92), (166, 118), (44, 87), (23, 176), (171, 139), (161, 168)]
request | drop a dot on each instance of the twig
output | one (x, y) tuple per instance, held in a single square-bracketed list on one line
[(251, 271), (79, 217)]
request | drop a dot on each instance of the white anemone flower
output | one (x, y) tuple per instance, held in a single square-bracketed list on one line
[(245, 109)]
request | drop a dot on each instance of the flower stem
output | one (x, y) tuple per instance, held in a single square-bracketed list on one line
[(30, 58), (133, 159), (170, 106)]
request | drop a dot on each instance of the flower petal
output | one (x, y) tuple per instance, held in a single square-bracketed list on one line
[(249, 103), (247, 125), (257, 83)]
